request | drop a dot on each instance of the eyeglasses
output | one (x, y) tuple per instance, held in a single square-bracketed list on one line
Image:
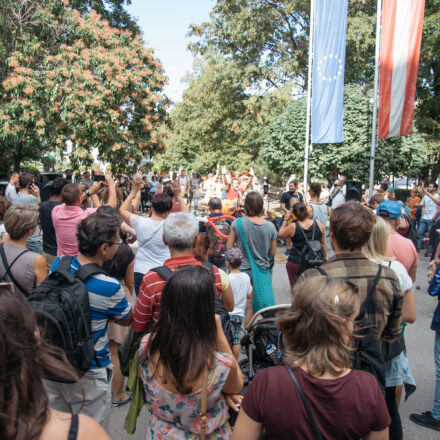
[(36, 224), (118, 243)]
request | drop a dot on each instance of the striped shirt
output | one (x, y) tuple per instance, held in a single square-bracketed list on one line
[(147, 306), (107, 301)]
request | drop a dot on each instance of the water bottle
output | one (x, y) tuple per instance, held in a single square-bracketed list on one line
[(271, 351)]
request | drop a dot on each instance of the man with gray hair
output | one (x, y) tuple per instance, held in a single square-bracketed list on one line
[(180, 234)]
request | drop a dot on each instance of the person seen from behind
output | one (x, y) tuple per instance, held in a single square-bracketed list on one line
[(25, 359), (18, 265), (242, 290), (66, 217), (98, 242), (187, 357), (303, 230), (317, 333), (152, 251)]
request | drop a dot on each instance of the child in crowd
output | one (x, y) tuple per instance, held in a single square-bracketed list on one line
[(242, 289)]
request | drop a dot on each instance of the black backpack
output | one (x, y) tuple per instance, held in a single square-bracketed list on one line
[(165, 272), (367, 354), (62, 309), (311, 253)]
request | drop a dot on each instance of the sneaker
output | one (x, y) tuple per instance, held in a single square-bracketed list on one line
[(427, 254), (425, 419)]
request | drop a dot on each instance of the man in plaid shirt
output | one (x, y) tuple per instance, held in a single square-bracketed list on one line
[(350, 228)]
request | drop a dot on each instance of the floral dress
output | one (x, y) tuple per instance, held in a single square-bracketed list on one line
[(177, 416)]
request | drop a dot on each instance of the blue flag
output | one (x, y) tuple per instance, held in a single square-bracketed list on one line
[(328, 71)]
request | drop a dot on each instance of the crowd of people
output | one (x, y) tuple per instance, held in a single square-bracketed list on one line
[(173, 276)]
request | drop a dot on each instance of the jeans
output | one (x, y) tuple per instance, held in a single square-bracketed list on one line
[(435, 412), (424, 227)]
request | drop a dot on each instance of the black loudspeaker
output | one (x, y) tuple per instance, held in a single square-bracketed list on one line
[(46, 180), (354, 190)]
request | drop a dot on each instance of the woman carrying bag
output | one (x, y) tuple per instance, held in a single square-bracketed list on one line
[(186, 364), (316, 395), (256, 238)]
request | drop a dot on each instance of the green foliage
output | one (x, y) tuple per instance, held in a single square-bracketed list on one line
[(284, 143), (102, 90), (218, 121), (111, 10)]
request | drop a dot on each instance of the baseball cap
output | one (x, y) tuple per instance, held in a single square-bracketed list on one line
[(393, 209)]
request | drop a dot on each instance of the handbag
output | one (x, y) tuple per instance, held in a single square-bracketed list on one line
[(261, 278), (305, 403), (203, 417)]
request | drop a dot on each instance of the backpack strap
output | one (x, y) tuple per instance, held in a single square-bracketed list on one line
[(370, 294), (88, 270), (8, 269), (321, 271), (164, 271)]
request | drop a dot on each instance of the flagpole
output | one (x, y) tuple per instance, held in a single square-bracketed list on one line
[(376, 86), (309, 95)]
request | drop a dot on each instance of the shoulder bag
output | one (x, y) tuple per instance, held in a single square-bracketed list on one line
[(261, 278), (305, 403)]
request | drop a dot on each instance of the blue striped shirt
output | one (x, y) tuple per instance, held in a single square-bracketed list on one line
[(107, 301)]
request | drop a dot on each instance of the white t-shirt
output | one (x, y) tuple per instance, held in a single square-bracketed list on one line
[(400, 271), (241, 288), (430, 207), (152, 251)]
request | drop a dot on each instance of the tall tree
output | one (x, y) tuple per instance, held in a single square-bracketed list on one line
[(284, 141), (114, 11), (102, 90), (218, 120)]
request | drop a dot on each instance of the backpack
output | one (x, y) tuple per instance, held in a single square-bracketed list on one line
[(367, 354), (218, 244), (62, 309), (311, 253), (165, 272)]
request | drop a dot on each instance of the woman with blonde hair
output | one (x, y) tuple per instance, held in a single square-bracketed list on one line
[(398, 372), (18, 265), (339, 403)]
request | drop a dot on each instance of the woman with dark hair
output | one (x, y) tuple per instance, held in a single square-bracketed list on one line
[(186, 358), (301, 231), (317, 334), (24, 359)]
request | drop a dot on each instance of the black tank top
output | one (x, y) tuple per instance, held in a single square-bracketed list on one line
[(298, 240)]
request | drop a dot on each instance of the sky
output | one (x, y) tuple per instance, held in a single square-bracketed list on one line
[(165, 24)]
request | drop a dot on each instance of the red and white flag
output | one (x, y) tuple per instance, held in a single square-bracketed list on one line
[(402, 22)]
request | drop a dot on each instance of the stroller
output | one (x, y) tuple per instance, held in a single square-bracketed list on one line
[(262, 342)]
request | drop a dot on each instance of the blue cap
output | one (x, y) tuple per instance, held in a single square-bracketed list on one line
[(393, 208)]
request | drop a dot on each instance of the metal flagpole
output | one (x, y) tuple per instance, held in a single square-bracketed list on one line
[(376, 86), (309, 95)]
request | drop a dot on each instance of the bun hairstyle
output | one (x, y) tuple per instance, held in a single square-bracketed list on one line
[(24, 358), (317, 327)]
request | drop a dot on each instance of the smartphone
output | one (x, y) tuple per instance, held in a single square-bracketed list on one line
[(99, 178)]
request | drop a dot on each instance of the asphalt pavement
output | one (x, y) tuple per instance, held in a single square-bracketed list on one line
[(419, 342)]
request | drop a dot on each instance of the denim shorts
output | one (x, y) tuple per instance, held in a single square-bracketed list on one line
[(237, 321)]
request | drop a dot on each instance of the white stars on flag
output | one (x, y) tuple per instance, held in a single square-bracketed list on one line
[(330, 67)]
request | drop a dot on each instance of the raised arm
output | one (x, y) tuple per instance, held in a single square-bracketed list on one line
[(111, 191), (124, 210)]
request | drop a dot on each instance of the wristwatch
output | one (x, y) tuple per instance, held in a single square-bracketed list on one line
[(87, 193)]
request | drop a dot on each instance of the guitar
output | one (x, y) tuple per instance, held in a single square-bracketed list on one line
[(231, 207)]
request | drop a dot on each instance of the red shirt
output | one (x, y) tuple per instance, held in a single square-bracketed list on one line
[(150, 292), (232, 194), (345, 408)]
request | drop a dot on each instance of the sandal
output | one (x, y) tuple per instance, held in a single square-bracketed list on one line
[(117, 404)]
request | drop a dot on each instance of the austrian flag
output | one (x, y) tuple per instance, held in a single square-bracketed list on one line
[(402, 22)]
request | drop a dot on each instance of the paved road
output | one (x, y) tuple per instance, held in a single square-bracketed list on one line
[(419, 341)]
